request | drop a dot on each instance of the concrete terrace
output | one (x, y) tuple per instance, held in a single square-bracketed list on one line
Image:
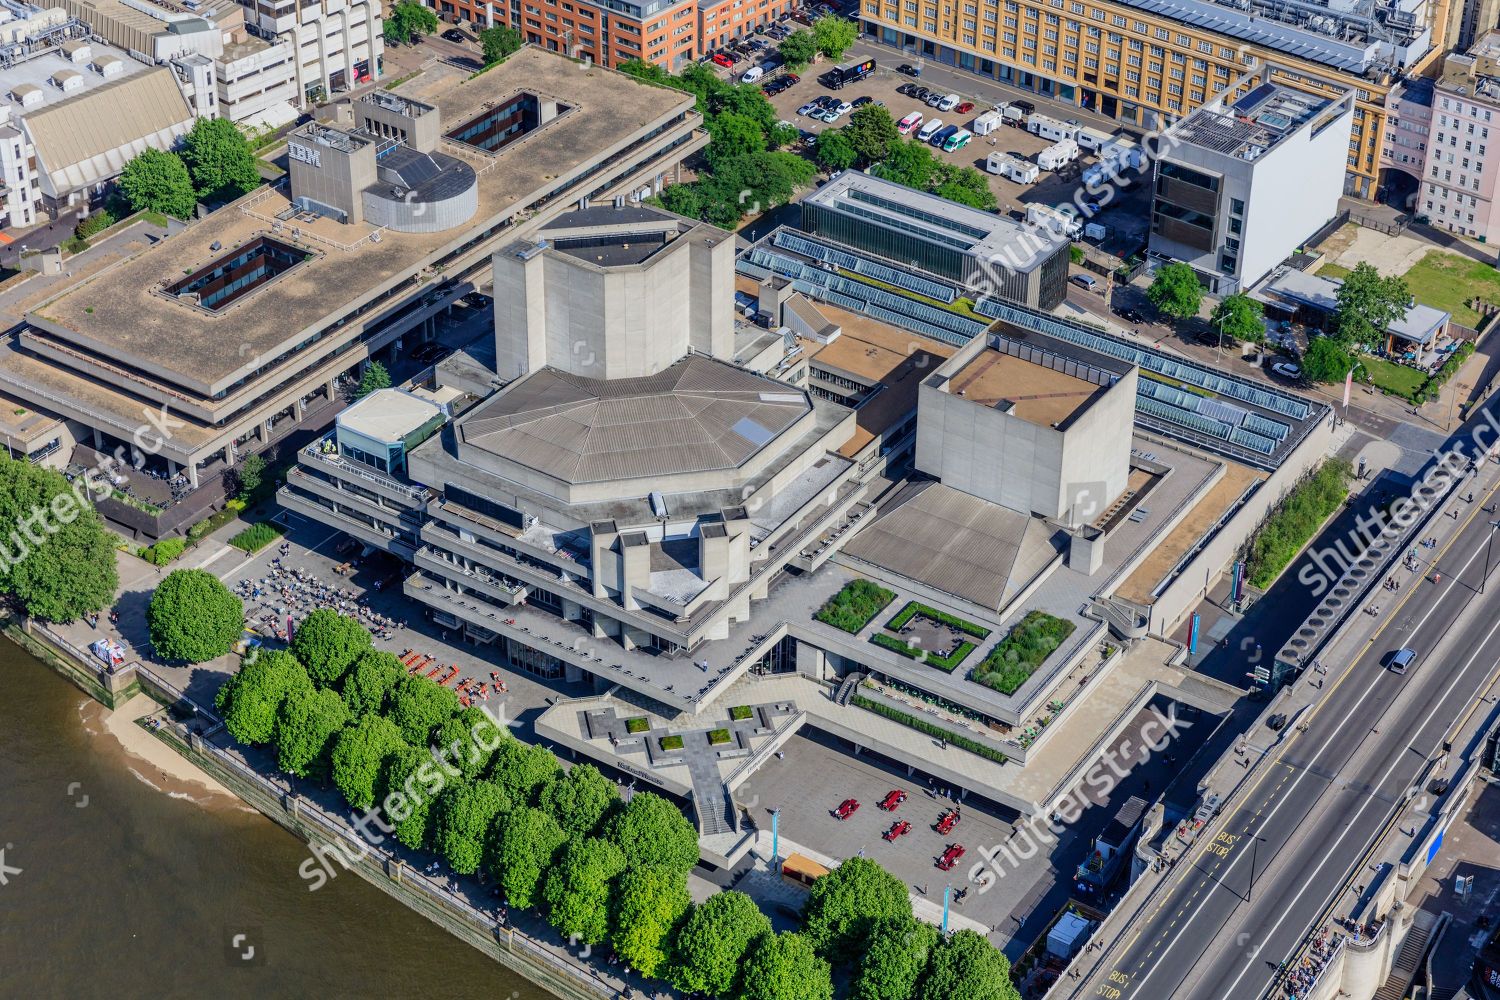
[(121, 315)]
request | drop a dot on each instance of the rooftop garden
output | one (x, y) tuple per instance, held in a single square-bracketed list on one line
[(1016, 657), (931, 729), (852, 608), (1295, 519), (937, 638)]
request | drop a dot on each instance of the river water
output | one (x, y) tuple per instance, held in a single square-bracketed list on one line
[(130, 890)]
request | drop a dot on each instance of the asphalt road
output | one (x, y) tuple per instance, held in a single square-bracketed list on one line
[(1242, 903)]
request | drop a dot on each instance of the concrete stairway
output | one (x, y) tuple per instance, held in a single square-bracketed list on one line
[(1124, 620), (847, 688), (1397, 985)]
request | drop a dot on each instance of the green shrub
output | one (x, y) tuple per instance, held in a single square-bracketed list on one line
[(639, 724), (931, 729), (913, 609), (670, 742), (717, 737), (257, 536), (1025, 648), (953, 659), (95, 224), (164, 551), (896, 645), (852, 608), (739, 713), (1294, 520)]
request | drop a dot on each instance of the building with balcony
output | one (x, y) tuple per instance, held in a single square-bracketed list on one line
[(225, 337), (1460, 173), (1243, 184)]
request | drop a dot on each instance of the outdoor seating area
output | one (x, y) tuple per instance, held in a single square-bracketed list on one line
[(931, 636)]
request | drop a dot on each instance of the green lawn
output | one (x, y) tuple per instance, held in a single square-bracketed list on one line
[(1399, 380), (1333, 272), (1448, 281)]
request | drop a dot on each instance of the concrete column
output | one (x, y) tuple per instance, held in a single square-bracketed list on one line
[(299, 410), (171, 468), (231, 454), (98, 439), (323, 77), (192, 471), (296, 42)]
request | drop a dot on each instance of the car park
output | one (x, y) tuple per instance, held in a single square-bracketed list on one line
[(847, 808), (1286, 370)]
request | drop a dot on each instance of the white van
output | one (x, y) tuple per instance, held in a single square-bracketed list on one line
[(949, 103), (752, 74), (929, 129), (910, 122)]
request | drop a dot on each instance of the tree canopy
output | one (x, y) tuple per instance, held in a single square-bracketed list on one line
[(798, 49), (1367, 305), (834, 35), (419, 706), (785, 967), (359, 752), (713, 941), (872, 131), (328, 643), (467, 741), (159, 182), (577, 889), (251, 699), (56, 559), (1176, 291), (219, 160), (896, 952), (499, 42), (305, 727), (369, 685), (968, 966), (1239, 317), (1326, 360), (406, 788), (649, 904), (651, 830), (374, 377), (408, 19), (193, 617), (834, 151), (845, 905), (964, 185), (579, 799), (528, 842), (463, 821)]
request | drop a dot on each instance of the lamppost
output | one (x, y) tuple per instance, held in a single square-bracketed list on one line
[(1458, 389), (1487, 541)]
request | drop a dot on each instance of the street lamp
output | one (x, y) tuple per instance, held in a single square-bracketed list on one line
[(1487, 542)]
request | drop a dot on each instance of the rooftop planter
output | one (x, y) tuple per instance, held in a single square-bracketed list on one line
[(853, 607), (1016, 657)]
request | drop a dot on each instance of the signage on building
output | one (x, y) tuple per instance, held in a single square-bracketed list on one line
[(305, 154)]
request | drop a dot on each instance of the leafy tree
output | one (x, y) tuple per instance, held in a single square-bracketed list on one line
[(908, 162), (407, 20), (785, 967), (650, 903), (522, 769), (56, 559), (1367, 305), (159, 182), (499, 42), (1238, 316), (642, 70), (194, 617), (328, 644), (359, 755), (834, 151), (683, 199), (966, 186), (872, 131), (896, 952), (798, 49), (463, 820), (529, 840), (834, 35), (713, 941), (219, 161), (251, 700), (370, 684), (1326, 360), (466, 741), (1176, 291), (653, 831), (844, 905), (418, 706), (252, 471), (374, 377), (579, 799), (407, 789), (305, 728), (968, 966), (733, 135), (577, 888)]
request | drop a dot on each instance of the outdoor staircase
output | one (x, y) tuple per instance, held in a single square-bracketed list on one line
[(715, 811), (1397, 985), (846, 690), (1125, 621)]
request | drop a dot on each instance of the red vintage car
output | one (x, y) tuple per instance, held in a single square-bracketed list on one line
[(947, 821), (950, 857), (847, 808), (892, 799), (898, 829)]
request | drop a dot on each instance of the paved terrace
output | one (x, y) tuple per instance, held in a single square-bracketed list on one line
[(120, 315)]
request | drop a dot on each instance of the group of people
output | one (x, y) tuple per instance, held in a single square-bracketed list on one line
[(1299, 980), (292, 592)]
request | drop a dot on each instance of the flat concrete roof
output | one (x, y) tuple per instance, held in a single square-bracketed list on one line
[(1039, 395), (37, 73), (388, 414), (120, 316)]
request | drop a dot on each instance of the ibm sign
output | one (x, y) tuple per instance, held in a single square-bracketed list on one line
[(305, 154)]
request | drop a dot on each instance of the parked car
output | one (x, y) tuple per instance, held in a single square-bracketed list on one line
[(892, 799), (900, 828), (1085, 281), (964, 107), (720, 59), (808, 108), (454, 35), (934, 98), (1402, 660), (847, 808), (843, 108), (861, 101), (1286, 371), (908, 69), (948, 102), (426, 354), (477, 300), (950, 857), (921, 94)]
